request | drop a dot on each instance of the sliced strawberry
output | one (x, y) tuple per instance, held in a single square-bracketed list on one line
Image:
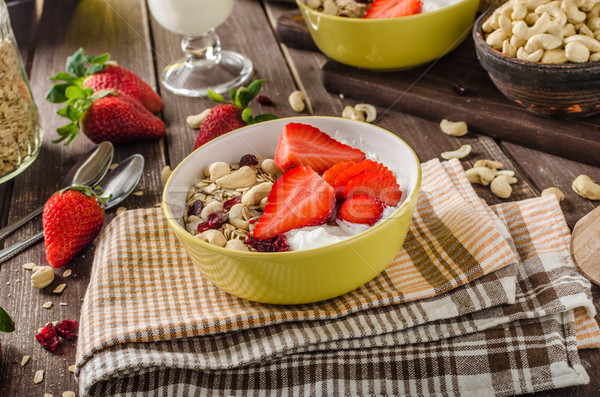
[(304, 145), (358, 168), (362, 209), (335, 170), (381, 185), (393, 8), (299, 198)]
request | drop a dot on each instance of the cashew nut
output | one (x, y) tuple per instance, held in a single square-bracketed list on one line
[(496, 38), (584, 186), (509, 173), (589, 42), (212, 236), (553, 9), (533, 4), (297, 100), (481, 175), (553, 191), (257, 193), (240, 223), (495, 165), (572, 11), (370, 113), (459, 153), (236, 245), (542, 40), (521, 29), (594, 23), (595, 57), (526, 56), (269, 166), (519, 11), (577, 52), (263, 203), (217, 170), (500, 186), (42, 276), (329, 8), (458, 128), (555, 57), (239, 211), (505, 25), (508, 49), (244, 177), (195, 120), (211, 207), (348, 112), (165, 174)]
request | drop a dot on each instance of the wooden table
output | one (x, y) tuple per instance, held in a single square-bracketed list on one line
[(125, 29)]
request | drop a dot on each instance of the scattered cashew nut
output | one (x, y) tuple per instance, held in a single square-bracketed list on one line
[(195, 120), (459, 153), (584, 186), (42, 276), (458, 128), (481, 175), (495, 165), (297, 100), (553, 191), (244, 177), (500, 186), (370, 113)]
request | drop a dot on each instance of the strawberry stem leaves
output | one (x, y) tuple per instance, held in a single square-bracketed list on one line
[(241, 98), (6, 322)]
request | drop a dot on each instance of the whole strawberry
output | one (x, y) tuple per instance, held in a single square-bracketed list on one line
[(99, 73), (230, 115), (72, 218)]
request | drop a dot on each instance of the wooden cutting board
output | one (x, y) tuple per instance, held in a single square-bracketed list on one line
[(428, 92)]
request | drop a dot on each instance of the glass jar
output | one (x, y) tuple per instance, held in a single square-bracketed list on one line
[(20, 130)]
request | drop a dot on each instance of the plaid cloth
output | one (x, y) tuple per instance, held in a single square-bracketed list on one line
[(514, 329)]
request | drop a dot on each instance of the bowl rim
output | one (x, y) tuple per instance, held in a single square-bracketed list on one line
[(481, 45), (267, 255), (304, 7)]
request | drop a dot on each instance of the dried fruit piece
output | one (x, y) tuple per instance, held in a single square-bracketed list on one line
[(216, 219), (230, 203), (195, 208), (48, 337), (275, 244), (361, 209), (248, 159), (68, 329)]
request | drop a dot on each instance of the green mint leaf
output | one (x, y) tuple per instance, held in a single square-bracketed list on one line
[(57, 93), (265, 117), (74, 92), (247, 115), (6, 322), (213, 96), (255, 87), (76, 63)]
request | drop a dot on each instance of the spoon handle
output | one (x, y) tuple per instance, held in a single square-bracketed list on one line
[(5, 231), (13, 250)]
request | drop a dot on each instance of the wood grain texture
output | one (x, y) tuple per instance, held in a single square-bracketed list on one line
[(585, 245)]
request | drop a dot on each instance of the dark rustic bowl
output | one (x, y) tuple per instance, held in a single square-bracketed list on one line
[(563, 91)]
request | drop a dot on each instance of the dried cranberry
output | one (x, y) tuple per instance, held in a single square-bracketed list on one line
[(265, 100), (216, 219), (459, 89), (230, 203), (202, 227), (68, 329), (275, 244), (195, 208), (248, 159), (48, 337)]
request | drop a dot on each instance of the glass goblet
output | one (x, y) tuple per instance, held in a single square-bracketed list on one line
[(205, 64)]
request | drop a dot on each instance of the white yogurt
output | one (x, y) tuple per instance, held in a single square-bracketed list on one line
[(190, 17), (433, 5)]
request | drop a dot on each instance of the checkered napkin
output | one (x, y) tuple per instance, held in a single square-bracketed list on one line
[(499, 310)]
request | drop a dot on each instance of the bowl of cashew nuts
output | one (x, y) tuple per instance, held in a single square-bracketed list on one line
[(543, 55)]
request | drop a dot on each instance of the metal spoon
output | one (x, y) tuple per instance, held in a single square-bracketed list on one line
[(88, 171), (118, 184)]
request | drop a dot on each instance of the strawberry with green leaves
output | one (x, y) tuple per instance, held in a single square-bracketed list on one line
[(106, 102), (6, 324), (231, 115), (72, 218)]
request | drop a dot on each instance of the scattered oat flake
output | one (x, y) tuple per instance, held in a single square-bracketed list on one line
[(60, 288), (67, 273), (63, 303), (25, 360), (113, 166), (47, 305), (8, 283), (16, 270), (157, 204), (120, 210), (139, 193), (72, 368), (39, 376), (48, 395), (68, 394), (9, 295)]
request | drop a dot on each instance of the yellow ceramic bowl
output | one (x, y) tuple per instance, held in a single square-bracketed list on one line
[(393, 43), (297, 276)]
